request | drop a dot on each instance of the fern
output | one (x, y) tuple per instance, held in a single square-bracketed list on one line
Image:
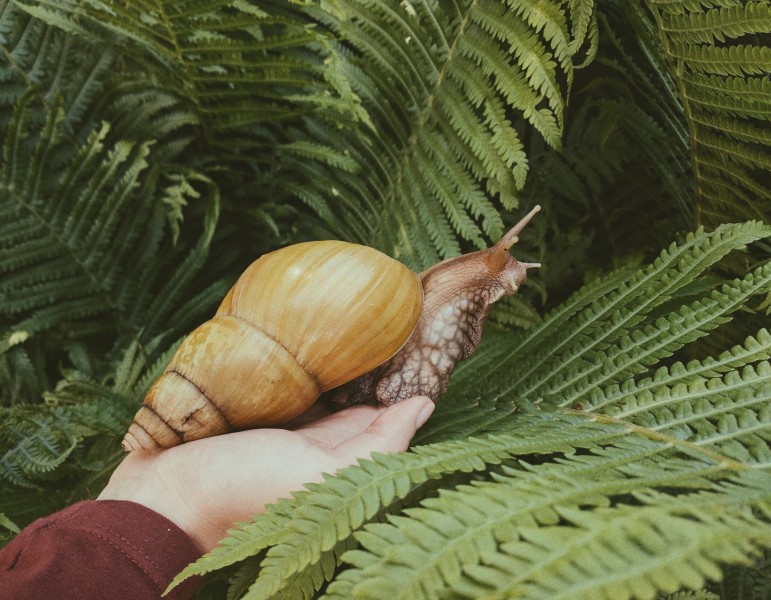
[(36, 443), (79, 260), (716, 60), (454, 143), (527, 515), (57, 240), (646, 124), (71, 250), (625, 142), (438, 84), (746, 581), (632, 354), (37, 212), (37, 57), (222, 56)]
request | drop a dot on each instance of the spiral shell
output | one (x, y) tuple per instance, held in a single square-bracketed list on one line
[(299, 321)]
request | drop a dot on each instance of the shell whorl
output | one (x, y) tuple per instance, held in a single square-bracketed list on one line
[(299, 321)]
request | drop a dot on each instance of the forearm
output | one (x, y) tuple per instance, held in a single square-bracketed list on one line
[(97, 549)]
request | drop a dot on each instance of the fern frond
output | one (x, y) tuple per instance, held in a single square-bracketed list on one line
[(45, 447), (583, 20), (745, 581), (734, 60), (716, 55), (755, 349), (157, 295), (696, 546), (516, 312), (731, 413), (137, 110), (719, 24), (81, 244), (34, 442), (237, 65), (36, 57), (454, 143), (634, 353), (22, 372), (625, 143), (445, 88), (451, 541), (306, 583), (57, 237), (621, 310)]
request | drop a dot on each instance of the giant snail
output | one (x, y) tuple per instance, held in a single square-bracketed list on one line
[(317, 315)]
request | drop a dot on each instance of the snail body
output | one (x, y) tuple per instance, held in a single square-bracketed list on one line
[(299, 321), (321, 315)]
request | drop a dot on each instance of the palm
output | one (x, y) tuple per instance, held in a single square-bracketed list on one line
[(208, 485)]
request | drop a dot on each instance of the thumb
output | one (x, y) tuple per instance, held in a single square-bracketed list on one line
[(392, 431)]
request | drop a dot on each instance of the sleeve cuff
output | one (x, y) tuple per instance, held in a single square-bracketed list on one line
[(103, 549), (151, 541)]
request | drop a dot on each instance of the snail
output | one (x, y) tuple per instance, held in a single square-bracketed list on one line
[(318, 316)]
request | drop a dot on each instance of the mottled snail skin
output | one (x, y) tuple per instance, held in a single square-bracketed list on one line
[(457, 295), (299, 321)]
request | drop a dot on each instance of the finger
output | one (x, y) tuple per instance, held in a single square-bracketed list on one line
[(392, 431)]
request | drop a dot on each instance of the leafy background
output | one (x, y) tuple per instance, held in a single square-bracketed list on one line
[(610, 438)]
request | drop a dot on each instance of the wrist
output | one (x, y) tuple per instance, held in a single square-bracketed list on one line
[(140, 478)]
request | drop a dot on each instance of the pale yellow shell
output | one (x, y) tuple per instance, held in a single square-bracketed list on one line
[(299, 321)]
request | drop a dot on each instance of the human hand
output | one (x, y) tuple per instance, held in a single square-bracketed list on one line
[(208, 485)]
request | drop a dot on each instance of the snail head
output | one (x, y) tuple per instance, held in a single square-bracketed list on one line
[(511, 272)]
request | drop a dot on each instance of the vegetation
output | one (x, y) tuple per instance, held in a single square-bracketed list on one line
[(610, 439)]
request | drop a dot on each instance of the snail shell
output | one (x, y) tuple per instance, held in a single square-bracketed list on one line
[(299, 321)]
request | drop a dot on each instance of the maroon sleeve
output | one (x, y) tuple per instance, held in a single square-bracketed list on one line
[(97, 549)]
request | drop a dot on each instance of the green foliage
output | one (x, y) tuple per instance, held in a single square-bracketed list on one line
[(235, 64), (616, 447), (81, 248), (448, 128), (41, 58), (719, 59), (598, 192), (448, 88), (750, 581), (71, 442), (435, 87), (53, 267)]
